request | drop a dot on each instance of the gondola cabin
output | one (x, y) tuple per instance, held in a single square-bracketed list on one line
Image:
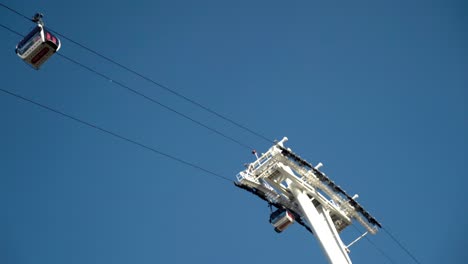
[(281, 219), (38, 46)]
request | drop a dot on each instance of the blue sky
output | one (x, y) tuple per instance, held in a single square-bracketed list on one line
[(376, 90)]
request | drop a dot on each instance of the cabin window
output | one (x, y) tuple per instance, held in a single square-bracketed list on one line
[(29, 36), (28, 42)]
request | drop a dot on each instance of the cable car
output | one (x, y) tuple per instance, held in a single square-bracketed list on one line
[(38, 46), (281, 219)]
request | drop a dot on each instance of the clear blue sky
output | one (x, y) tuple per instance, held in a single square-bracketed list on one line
[(376, 90)]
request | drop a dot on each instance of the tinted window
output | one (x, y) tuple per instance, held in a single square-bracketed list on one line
[(28, 43), (29, 37)]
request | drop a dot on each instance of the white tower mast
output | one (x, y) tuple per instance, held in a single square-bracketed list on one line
[(292, 185)]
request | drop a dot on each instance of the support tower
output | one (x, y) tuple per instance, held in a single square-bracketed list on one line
[(302, 193)]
